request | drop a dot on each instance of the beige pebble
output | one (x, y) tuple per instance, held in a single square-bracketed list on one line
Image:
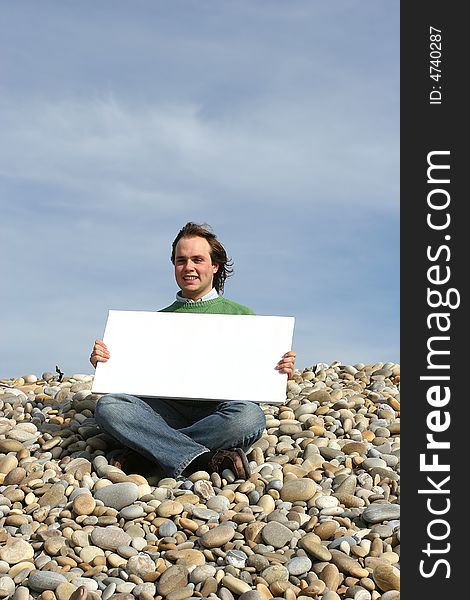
[(16, 550), (391, 557), (326, 530), (175, 577), (275, 573), (80, 538), (188, 556), (316, 587), (49, 444), (252, 532), (88, 553), (114, 560), (347, 564), (214, 538), (298, 489), (21, 593), (21, 566), (295, 471), (54, 545), (7, 463), (15, 476), (7, 586), (140, 565), (188, 524), (229, 494), (282, 587), (330, 575), (64, 591), (264, 590), (169, 508), (235, 585), (84, 504), (387, 577), (330, 595), (10, 445), (267, 503), (209, 587), (311, 544), (81, 593), (17, 520)]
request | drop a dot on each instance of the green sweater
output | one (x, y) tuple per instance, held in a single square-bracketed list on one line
[(216, 306)]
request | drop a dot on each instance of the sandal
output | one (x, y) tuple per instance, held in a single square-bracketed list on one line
[(129, 461), (233, 459)]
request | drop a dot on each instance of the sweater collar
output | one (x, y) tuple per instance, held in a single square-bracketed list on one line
[(210, 296)]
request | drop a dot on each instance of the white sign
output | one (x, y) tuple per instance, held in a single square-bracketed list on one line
[(200, 356)]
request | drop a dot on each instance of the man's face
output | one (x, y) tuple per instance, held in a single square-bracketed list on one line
[(194, 271)]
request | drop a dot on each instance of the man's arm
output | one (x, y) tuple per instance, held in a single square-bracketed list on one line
[(100, 353), (286, 364)]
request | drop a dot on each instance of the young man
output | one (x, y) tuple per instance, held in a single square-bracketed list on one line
[(183, 435)]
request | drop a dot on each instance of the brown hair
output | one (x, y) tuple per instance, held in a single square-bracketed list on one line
[(217, 252)]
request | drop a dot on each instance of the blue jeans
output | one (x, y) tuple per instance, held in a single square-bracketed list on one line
[(175, 432)]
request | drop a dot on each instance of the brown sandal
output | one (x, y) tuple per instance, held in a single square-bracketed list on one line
[(129, 461), (233, 459)]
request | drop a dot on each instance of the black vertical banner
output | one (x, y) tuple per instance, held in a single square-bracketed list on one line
[(434, 249)]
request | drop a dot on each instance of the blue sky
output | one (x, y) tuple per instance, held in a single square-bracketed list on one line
[(275, 122)]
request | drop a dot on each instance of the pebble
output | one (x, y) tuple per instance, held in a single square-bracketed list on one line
[(387, 577), (217, 537), (313, 546), (54, 496), (275, 534), (175, 577), (167, 529), (319, 517), (132, 512), (275, 573), (21, 593), (84, 504), (141, 565), (40, 581), (16, 550), (252, 595), (298, 489), (381, 512), (109, 538), (237, 586), (298, 565), (236, 558), (218, 503), (7, 586), (201, 573), (118, 495)]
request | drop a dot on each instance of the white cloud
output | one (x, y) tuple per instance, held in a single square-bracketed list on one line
[(115, 155)]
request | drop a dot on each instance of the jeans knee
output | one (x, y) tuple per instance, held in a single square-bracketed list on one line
[(104, 409), (256, 416), (250, 418)]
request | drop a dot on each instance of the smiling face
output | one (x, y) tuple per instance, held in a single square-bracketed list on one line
[(194, 271)]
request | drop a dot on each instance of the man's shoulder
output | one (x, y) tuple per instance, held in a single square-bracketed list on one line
[(171, 307), (235, 308)]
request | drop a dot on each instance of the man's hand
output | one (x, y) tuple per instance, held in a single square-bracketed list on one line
[(286, 364), (100, 353)]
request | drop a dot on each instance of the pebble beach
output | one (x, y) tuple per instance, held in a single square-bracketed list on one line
[(319, 517)]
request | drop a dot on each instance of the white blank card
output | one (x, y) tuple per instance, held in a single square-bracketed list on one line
[(200, 356)]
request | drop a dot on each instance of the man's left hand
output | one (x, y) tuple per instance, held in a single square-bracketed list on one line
[(286, 364)]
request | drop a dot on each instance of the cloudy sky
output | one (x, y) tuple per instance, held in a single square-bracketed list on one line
[(275, 122)]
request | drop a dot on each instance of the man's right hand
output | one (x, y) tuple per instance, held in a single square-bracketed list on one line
[(100, 353)]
